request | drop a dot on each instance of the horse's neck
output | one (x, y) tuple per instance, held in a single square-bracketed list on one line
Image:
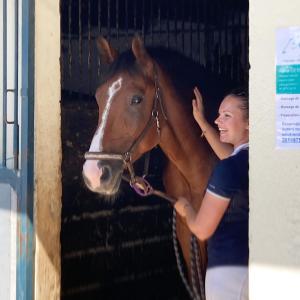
[(190, 156)]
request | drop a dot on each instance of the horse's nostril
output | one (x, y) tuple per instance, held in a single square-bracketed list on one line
[(105, 173)]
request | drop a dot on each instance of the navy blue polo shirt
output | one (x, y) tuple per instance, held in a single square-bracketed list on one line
[(229, 244)]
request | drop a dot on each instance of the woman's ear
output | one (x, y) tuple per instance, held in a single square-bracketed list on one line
[(247, 127)]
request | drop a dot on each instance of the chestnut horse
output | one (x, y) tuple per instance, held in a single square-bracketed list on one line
[(145, 102)]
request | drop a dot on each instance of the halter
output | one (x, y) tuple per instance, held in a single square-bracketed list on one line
[(139, 184)]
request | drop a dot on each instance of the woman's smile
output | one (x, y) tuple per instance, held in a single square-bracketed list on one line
[(231, 122)]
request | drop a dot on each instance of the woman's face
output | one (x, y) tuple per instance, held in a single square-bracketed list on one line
[(232, 123)]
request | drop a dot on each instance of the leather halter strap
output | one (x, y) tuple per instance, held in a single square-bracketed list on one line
[(154, 115)]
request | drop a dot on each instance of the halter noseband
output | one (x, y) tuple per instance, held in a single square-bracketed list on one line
[(139, 184)]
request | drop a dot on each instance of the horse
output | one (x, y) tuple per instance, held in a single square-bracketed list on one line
[(145, 102)]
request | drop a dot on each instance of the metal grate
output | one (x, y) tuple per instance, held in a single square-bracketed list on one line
[(212, 32)]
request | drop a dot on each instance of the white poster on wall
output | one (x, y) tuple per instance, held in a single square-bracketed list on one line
[(288, 87)]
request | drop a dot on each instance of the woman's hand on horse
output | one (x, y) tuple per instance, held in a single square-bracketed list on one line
[(198, 109), (181, 205)]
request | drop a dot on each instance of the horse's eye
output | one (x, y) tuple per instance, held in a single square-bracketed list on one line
[(136, 99)]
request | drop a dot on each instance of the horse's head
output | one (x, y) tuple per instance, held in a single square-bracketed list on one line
[(128, 116)]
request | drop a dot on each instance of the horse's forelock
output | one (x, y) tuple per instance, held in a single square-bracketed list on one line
[(182, 70), (124, 63)]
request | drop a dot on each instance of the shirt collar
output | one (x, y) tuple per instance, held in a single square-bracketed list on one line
[(240, 148)]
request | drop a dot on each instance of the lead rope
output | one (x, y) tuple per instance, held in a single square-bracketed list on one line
[(144, 188), (179, 264), (198, 268), (195, 267), (194, 275)]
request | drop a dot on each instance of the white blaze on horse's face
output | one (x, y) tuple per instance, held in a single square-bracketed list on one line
[(96, 144), (91, 169)]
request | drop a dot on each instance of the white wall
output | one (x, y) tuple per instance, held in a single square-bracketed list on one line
[(274, 173), (8, 239)]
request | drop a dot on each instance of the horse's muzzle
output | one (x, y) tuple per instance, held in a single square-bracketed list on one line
[(103, 176)]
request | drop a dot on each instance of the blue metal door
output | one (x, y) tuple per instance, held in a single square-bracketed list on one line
[(16, 149)]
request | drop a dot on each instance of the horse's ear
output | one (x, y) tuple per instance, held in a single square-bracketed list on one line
[(107, 52), (142, 56)]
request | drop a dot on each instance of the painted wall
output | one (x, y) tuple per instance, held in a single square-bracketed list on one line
[(47, 150), (8, 238), (274, 173)]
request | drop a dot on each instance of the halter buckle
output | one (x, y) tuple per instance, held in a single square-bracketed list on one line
[(154, 113), (127, 157), (141, 186)]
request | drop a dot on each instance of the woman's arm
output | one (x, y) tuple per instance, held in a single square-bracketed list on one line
[(204, 222), (222, 150)]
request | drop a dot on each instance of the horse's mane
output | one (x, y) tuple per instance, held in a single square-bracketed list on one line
[(184, 74)]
